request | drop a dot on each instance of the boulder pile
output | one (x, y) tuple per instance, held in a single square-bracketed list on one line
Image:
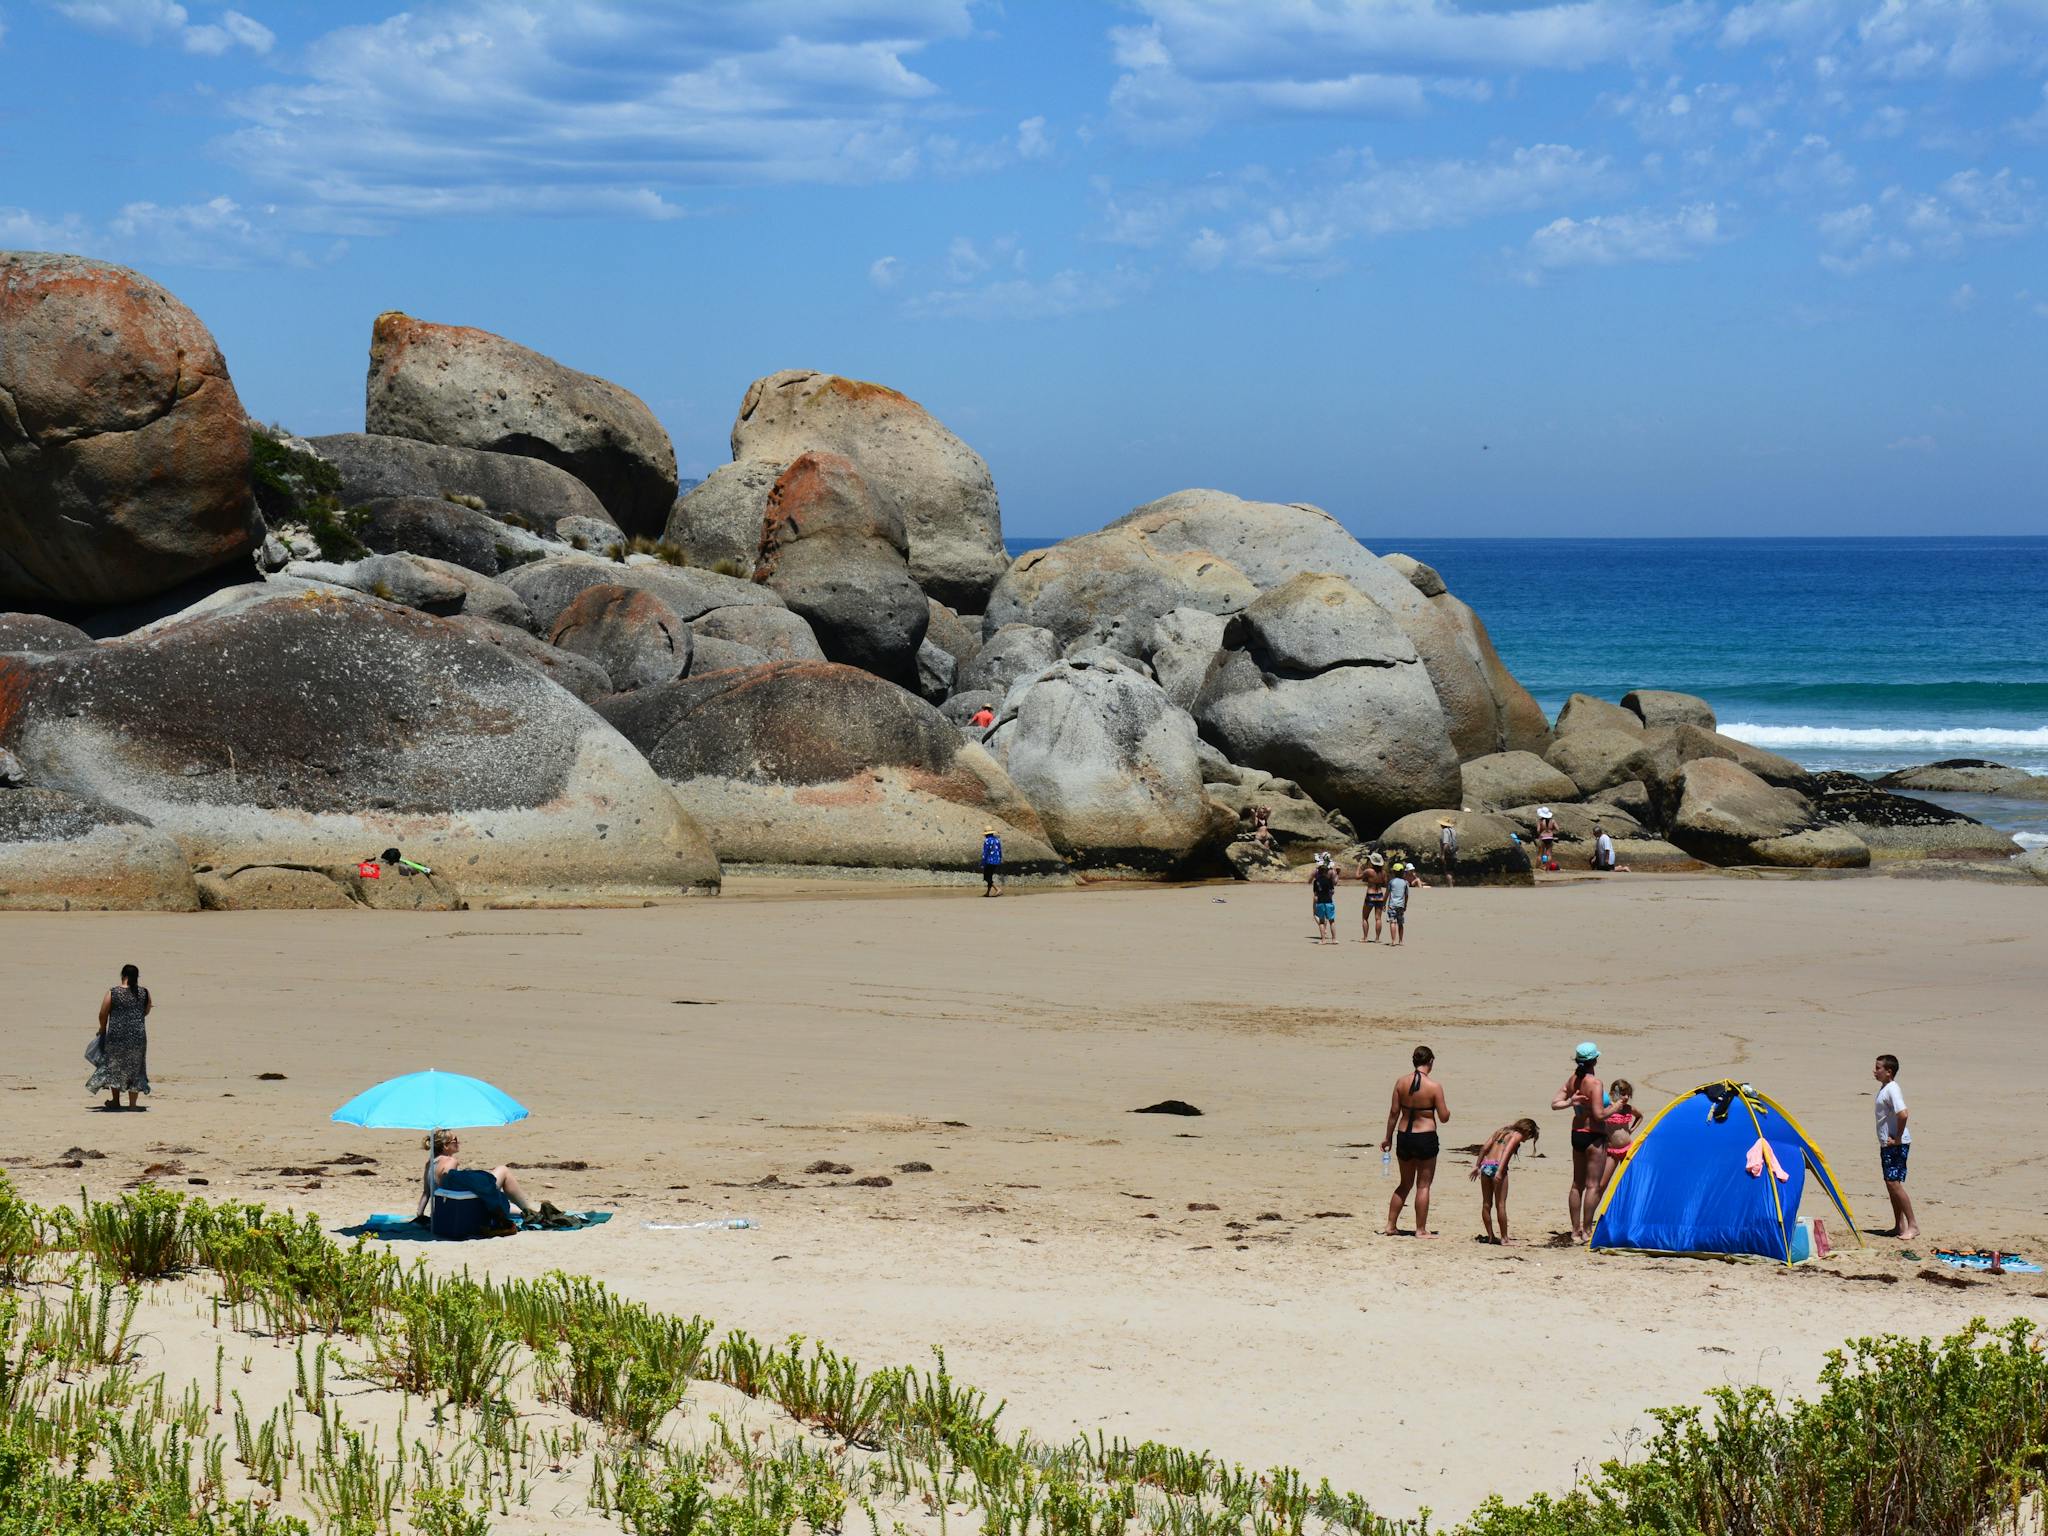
[(487, 632)]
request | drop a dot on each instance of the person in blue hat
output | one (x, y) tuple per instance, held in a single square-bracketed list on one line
[(1586, 1098)]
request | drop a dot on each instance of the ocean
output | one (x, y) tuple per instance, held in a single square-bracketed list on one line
[(1857, 654)]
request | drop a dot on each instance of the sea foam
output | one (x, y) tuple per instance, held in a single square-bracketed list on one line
[(1948, 740)]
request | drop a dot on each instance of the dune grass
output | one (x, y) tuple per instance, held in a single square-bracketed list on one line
[(1903, 1437)]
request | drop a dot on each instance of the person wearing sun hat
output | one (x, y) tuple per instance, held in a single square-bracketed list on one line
[(1586, 1098), (991, 862), (1322, 890), (1546, 837), (1447, 846), (1373, 875)]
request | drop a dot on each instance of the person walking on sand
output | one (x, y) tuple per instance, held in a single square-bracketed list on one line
[(1491, 1172), (1322, 890), (1583, 1096), (1373, 915), (1419, 1107), (1894, 1142), (991, 862), (1546, 838), (1402, 884), (123, 1041), (1446, 846)]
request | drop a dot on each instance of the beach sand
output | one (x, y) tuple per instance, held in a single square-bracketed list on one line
[(685, 1053)]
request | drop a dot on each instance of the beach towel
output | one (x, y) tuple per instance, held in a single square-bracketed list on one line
[(2012, 1263), (403, 1229), (1760, 1154)]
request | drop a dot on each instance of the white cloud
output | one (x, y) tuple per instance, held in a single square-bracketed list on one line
[(885, 271), (1641, 235), (1963, 299), (1898, 39), (1033, 143), (2035, 127), (1898, 225), (1193, 63), (217, 232), (1061, 296), (604, 106), (1920, 444), (22, 230), (147, 22), (1305, 228)]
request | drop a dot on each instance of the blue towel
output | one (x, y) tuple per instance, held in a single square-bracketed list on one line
[(2013, 1263), (403, 1229)]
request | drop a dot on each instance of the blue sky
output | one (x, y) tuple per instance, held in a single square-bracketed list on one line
[(1593, 267)]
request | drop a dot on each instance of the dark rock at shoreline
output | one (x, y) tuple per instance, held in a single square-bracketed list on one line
[(1968, 776), (70, 853), (124, 450)]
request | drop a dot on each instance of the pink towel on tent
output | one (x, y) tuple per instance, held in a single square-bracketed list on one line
[(1760, 1154)]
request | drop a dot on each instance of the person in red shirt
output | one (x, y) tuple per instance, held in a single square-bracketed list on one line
[(983, 718)]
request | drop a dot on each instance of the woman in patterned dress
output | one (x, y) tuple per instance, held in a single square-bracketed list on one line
[(124, 1041)]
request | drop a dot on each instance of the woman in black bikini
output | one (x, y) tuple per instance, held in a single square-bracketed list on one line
[(1419, 1107)]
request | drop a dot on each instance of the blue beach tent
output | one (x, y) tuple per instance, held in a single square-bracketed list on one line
[(1685, 1186)]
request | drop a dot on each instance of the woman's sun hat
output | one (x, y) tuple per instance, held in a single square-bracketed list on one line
[(1378, 861), (1543, 810), (1587, 1051), (1445, 821)]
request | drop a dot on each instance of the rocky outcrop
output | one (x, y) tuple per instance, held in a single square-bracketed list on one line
[(1423, 578), (32, 632), (436, 529), (1111, 767), (708, 653), (1815, 848), (632, 634), (717, 522), (959, 638), (1013, 652), (834, 552), (68, 853), (1657, 706), (550, 585), (1297, 826), (1595, 759), (580, 676), (809, 763), (776, 633), (1691, 741), (1726, 814), (1517, 722), (530, 493), (432, 586), (1489, 851), (1065, 587), (283, 725), (1185, 644), (936, 671), (1897, 827), (1951, 776), (124, 451), (273, 888), (1583, 712), (938, 488), (466, 388), (1513, 778), (1319, 685)]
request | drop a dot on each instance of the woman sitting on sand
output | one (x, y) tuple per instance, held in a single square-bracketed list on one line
[(1619, 1122), (498, 1189), (1492, 1173)]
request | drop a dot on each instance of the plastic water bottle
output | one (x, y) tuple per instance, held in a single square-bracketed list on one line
[(1387, 1164)]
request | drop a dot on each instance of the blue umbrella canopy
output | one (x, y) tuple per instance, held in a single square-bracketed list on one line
[(431, 1101)]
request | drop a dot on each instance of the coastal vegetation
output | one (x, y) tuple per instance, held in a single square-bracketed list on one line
[(308, 1384)]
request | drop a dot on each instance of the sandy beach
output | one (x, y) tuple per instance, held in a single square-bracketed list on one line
[(688, 1053)]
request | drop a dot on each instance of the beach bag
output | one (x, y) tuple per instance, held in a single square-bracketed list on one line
[(96, 1053)]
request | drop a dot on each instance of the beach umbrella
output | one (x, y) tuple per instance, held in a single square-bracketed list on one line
[(431, 1101)]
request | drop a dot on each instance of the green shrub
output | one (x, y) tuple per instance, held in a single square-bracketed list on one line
[(140, 1236), (21, 1235), (446, 1340)]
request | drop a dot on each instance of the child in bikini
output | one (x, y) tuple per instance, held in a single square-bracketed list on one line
[(1492, 1173), (1619, 1120)]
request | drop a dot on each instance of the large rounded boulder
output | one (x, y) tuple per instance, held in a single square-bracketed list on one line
[(466, 388), (285, 724), (551, 585), (1660, 706), (124, 451), (812, 763), (1513, 778), (1490, 850), (935, 483), (42, 636), (1318, 684), (67, 853), (717, 522), (834, 552), (529, 492), (1727, 815), (1111, 766), (633, 635), (1067, 587), (1015, 651)]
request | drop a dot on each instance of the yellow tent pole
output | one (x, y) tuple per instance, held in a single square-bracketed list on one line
[(1777, 1204), (1813, 1150), (1621, 1173)]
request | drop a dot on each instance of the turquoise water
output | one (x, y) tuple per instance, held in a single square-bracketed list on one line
[(1861, 654)]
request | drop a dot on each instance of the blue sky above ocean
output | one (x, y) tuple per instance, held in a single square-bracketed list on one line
[(1584, 268)]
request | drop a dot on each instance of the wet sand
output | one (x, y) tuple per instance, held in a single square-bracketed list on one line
[(687, 1053)]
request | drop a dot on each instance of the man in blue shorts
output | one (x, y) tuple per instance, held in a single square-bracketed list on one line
[(1322, 890), (1894, 1142)]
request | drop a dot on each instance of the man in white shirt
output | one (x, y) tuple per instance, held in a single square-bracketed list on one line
[(1894, 1142)]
